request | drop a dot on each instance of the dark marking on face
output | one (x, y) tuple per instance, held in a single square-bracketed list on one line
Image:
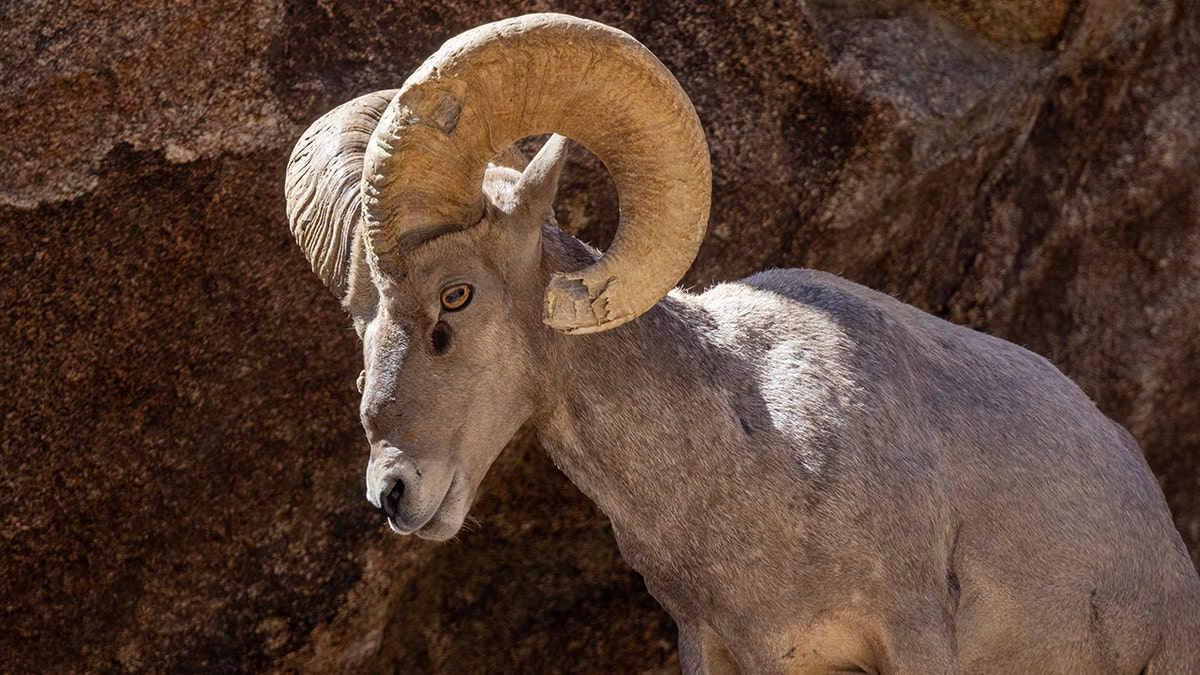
[(440, 338)]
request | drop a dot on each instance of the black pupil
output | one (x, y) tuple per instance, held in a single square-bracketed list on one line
[(455, 296)]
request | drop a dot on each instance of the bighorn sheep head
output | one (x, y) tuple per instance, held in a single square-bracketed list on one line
[(437, 251)]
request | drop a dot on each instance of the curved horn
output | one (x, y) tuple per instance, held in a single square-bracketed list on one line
[(323, 185), (536, 74)]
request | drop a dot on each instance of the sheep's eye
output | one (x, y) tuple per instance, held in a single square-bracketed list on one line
[(456, 297)]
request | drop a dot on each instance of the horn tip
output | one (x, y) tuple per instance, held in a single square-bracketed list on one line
[(577, 306)]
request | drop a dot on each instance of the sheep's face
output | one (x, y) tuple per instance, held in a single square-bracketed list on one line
[(448, 360), (449, 325)]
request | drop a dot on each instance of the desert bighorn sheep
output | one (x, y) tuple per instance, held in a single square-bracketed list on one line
[(811, 476)]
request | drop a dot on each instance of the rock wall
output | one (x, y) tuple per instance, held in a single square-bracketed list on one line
[(180, 455)]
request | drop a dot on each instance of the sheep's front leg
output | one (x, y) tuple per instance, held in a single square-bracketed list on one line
[(701, 652)]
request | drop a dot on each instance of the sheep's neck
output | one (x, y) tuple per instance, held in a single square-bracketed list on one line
[(636, 419)]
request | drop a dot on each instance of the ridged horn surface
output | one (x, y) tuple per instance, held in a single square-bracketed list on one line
[(323, 185), (536, 74)]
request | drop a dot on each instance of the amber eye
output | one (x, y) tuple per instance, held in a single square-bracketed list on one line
[(456, 297)]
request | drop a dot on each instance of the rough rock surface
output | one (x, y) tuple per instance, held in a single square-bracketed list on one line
[(180, 457)]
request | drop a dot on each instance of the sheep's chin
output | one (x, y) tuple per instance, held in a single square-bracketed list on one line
[(440, 529), (450, 515)]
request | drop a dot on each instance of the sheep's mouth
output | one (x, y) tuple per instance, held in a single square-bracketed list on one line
[(444, 521)]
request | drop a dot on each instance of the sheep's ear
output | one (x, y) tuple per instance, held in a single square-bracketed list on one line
[(324, 199), (539, 182)]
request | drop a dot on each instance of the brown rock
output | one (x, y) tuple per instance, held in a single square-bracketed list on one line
[(181, 457)]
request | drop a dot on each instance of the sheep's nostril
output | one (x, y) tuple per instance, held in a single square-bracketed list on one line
[(391, 501)]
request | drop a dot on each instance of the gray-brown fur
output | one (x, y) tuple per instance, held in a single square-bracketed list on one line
[(905, 496), (811, 476)]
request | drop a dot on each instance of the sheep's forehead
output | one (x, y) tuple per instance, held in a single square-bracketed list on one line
[(437, 262)]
